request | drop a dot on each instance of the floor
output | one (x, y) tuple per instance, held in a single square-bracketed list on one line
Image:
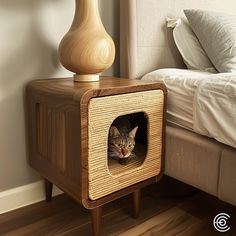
[(180, 209)]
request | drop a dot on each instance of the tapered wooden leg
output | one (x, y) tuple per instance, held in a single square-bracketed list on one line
[(48, 190), (136, 195), (96, 215)]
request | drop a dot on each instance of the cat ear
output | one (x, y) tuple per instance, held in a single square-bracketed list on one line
[(114, 132), (132, 133)]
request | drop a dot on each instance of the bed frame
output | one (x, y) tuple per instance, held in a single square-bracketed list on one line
[(146, 45)]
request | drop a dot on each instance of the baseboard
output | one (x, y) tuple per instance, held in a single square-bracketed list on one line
[(23, 196)]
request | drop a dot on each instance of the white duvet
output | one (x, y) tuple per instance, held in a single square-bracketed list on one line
[(201, 101)]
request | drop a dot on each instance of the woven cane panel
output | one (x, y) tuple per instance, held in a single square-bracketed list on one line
[(102, 112)]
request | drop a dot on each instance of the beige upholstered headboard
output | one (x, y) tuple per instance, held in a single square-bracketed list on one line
[(146, 44)]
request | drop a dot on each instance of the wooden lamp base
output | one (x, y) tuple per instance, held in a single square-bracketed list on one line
[(86, 78), (86, 49)]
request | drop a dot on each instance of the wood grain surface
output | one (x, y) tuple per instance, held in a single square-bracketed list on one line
[(162, 213), (86, 48)]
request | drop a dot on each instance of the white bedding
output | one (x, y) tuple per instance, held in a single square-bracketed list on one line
[(201, 101)]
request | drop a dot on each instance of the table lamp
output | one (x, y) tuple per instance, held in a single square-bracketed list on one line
[(86, 49)]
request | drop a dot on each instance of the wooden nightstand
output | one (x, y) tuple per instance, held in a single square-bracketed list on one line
[(68, 125)]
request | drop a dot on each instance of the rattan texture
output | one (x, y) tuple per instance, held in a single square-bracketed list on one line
[(107, 178)]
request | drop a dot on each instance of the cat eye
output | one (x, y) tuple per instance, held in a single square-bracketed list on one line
[(119, 145)]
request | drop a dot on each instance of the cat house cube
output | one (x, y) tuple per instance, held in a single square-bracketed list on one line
[(68, 135)]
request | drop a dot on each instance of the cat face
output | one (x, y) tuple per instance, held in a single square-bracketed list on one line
[(121, 145)]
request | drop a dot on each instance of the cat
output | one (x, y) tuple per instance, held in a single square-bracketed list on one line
[(121, 141)]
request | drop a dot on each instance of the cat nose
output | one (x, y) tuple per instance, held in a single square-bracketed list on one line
[(124, 152)]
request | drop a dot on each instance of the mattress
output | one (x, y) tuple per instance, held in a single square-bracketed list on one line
[(181, 85), (201, 101)]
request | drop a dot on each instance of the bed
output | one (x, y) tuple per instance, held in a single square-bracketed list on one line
[(146, 44)]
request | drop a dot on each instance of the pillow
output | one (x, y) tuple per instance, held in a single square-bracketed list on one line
[(217, 35), (189, 47)]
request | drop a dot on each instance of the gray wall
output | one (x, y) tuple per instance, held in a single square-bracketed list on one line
[(30, 33)]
